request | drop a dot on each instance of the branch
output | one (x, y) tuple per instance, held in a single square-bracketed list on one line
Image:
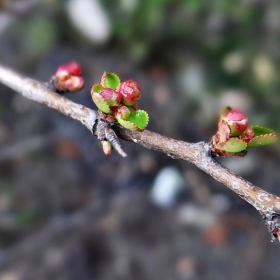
[(198, 154), (38, 92)]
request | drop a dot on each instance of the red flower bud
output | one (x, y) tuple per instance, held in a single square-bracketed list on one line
[(67, 78), (237, 121), (74, 83), (72, 69), (130, 92), (112, 97), (121, 112)]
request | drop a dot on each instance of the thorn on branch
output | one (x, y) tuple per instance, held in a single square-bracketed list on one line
[(106, 134)]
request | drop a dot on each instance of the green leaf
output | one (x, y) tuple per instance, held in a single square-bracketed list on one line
[(260, 130), (140, 118), (100, 102), (234, 145), (110, 80), (128, 125), (96, 87), (137, 120), (262, 140)]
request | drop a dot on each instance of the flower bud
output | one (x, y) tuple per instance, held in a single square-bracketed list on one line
[(130, 92), (72, 69), (112, 97), (237, 122), (248, 134), (74, 83), (107, 147), (67, 78), (120, 112)]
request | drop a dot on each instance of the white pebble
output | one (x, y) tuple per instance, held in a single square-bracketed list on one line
[(90, 18), (167, 184)]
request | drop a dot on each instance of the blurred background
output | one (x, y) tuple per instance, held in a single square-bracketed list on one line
[(69, 212)]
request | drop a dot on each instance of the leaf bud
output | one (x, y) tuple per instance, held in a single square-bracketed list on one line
[(107, 147)]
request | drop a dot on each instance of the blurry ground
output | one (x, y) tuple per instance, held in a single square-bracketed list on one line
[(69, 212)]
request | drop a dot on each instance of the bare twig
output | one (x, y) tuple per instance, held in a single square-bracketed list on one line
[(198, 154)]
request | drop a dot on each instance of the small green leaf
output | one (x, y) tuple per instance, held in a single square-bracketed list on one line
[(234, 145), (140, 118), (128, 125), (110, 80), (96, 87), (260, 130), (262, 140), (137, 119), (100, 102)]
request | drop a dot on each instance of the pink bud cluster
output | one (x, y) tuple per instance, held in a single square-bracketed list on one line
[(232, 125), (119, 101), (116, 102), (127, 93), (68, 78)]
